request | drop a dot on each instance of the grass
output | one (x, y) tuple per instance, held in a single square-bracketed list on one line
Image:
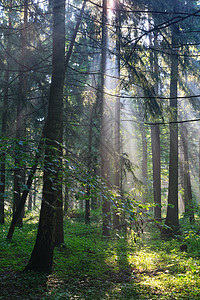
[(91, 267)]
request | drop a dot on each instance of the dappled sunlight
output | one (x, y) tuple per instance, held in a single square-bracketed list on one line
[(89, 266), (100, 150)]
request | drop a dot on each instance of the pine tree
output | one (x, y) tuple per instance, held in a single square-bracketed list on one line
[(42, 255)]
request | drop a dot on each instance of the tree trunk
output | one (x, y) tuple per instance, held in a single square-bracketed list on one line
[(155, 143), (20, 124), (189, 207), (172, 209), (34, 192), (30, 200), (155, 132), (144, 162), (66, 199), (117, 142), (182, 185), (105, 127), (88, 193), (42, 255), (25, 193), (4, 126), (59, 232), (89, 197)]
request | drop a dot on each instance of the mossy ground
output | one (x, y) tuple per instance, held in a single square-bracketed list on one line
[(91, 267)]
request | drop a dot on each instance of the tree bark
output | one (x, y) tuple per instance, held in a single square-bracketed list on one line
[(172, 209)]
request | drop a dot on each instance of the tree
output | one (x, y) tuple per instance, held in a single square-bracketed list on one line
[(5, 123), (117, 109), (105, 125), (189, 207), (144, 161), (172, 220), (155, 132), (155, 142), (42, 255), (19, 173), (40, 148)]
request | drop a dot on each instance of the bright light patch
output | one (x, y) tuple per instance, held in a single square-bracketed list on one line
[(111, 5)]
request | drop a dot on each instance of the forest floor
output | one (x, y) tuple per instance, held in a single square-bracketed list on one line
[(91, 267)]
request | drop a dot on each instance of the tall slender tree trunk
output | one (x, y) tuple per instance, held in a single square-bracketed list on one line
[(189, 207), (34, 191), (5, 124), (117, 142), (42, 255), (65, 141), (155, 143), (3, 158), (105, 126), (88, 193), (89, 197), (172, 208), (155, 130), (182, 185), (96, 81), (20, 122), (144, 162)]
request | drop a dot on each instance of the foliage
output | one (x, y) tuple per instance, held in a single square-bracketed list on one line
[(90, 266)]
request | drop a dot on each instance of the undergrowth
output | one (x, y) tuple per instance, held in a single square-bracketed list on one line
[(92, 267)]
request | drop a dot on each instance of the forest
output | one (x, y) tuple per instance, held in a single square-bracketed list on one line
[(99, 149)]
